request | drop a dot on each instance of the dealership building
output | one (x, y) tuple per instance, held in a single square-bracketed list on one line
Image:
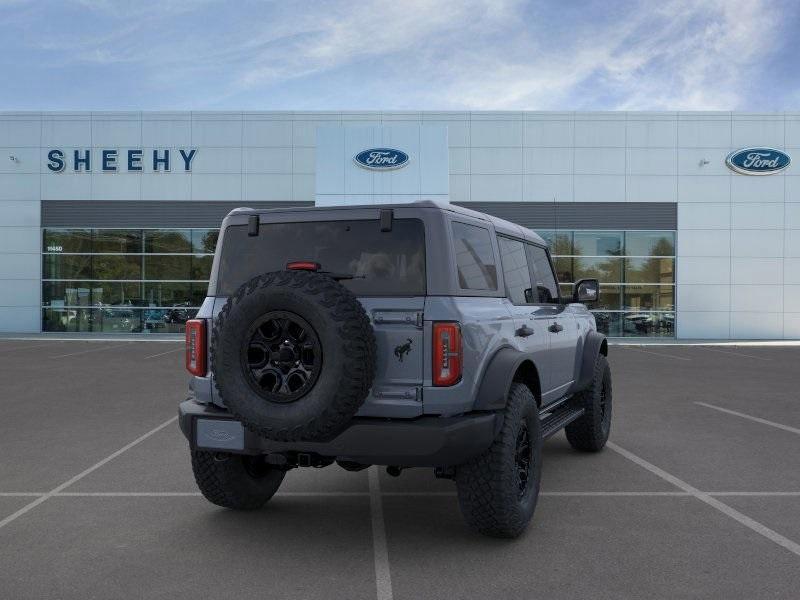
[(690, 220)]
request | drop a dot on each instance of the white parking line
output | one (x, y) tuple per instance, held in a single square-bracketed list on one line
[(163, 353), (31, 505), (734, 353), (656, 353), (93, 350), (734, 514), (751, 418), (383, 578)]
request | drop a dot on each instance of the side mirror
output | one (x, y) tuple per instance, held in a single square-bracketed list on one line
[(586, 291)]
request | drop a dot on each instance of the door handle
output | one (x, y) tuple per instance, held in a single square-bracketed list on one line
[(523, 331), (555, 328)]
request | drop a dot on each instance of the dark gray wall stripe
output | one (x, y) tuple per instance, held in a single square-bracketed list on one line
[(535, 215), (135, 213), (583, 215)]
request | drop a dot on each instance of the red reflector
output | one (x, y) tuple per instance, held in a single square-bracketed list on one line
[(303, 265), (196, 347), (447, 356)]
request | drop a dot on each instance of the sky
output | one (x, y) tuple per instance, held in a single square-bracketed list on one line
[(400, 55)]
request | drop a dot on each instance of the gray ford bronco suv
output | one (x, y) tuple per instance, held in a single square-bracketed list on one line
[(407, 335)]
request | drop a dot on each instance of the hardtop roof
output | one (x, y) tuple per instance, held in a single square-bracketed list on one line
[(500, 225)]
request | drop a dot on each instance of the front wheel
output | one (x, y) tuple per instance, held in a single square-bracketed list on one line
[(235, 481), (498, 490)]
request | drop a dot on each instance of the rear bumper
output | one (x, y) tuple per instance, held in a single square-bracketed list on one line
[(421, 442)]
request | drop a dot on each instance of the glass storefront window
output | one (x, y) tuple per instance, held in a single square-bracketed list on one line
[(117, 241), (649, 297), (124, 280), (650, 270), (650, 243), (597, 243), (168, 241), (606, 270)]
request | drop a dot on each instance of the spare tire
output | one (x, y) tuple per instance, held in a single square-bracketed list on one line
[(293, 355)]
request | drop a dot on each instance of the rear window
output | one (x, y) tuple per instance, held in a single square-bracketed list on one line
[(389, 263)]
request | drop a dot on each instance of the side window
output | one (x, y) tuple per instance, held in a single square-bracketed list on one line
[(474, 257), (542, 273), (515, 270)]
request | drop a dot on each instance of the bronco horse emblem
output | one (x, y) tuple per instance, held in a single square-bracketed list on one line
[(403, 349)]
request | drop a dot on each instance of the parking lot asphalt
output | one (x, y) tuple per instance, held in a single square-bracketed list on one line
[(697, 496)]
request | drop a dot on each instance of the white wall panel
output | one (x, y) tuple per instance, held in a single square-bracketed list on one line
[(758, 132), (791, 298), (703, 325), (268, 160), (704, 242), (459, 161), (704, 134), (791, 243), (757, 297), (757, 243), (215, 160), (303, 160), (303, 188), (216, 187), (115, 186), (116, 134), (63, 132), (545, 133), (651, 188), (496, 161), (19, 292), (495, 133), (599, 161), (459, 188), (267, 133), (18, 186), (20, 133), (598, 133), (19, 213), (599, 188), (757, 325), (703, 270), (763, 271), (792, 188), (496, 188), (791, 325), (701, 297), (20, 266), (166, 186), (548, 161), (692, 161), (27, 159), (758, 189), (698, 188), (757, 215), (18, 239), (661, 133), (547, 188), (267, 187), (217, 134), (304, 133), (791, 271), (704, 215), (20, 319), (67, 186), (652, 161), (164, 133)]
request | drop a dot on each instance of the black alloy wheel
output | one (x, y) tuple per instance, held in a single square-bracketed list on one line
[(522, 459), (282, 357)]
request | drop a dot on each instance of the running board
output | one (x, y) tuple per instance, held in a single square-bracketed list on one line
[(558, 419)]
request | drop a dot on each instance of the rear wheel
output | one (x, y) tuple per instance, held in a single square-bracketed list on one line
[(235, 481), (498, 490), (590, 432)]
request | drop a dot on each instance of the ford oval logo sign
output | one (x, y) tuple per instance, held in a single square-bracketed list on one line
[(381, 159), (758, 161)]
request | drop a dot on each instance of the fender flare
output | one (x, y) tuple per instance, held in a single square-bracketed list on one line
[(594, 344), (497, 379)]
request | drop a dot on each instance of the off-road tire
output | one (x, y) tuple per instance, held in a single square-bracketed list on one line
[(347, 345), (228, 480), (590, 432), (488, 491)]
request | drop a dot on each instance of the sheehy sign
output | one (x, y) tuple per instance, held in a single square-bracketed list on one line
[(112, 160)]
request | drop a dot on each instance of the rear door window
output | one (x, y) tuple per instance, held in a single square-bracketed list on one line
[(474, 257), (389, 263), (515, 270)]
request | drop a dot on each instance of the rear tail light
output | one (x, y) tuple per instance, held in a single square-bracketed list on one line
[(447, 356), (196, 347)]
